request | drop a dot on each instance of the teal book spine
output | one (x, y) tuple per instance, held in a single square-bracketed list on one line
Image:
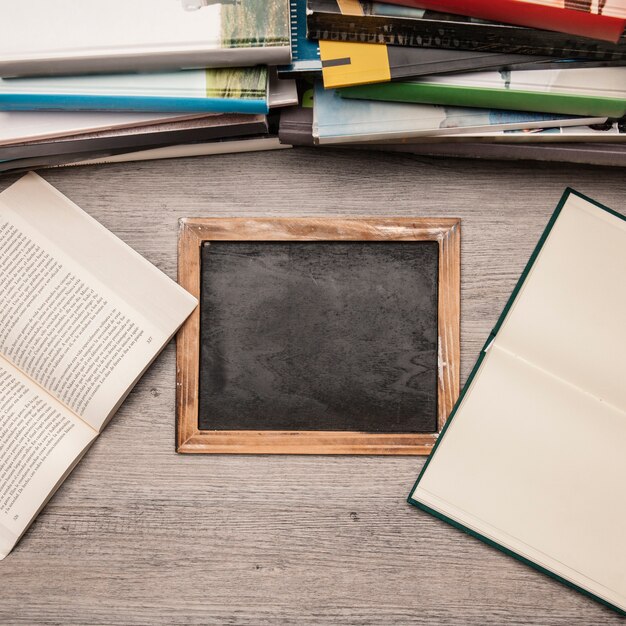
[(149, 104), (223, 90)]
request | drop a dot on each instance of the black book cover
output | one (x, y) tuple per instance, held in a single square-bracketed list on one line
[(345, 64), (406, 62), (296, 126), (402, 26)]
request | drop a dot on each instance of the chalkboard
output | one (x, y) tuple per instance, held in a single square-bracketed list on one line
[(319, 336), (310, 341)]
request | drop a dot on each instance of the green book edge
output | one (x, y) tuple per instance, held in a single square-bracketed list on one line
[(484, 97), (533, 257)]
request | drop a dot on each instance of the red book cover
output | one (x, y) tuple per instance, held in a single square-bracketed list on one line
[(599, 19)]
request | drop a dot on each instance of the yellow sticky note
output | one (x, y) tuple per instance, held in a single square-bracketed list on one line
[(346, 63)]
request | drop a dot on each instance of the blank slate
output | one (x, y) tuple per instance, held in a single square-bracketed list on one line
[(319, 336), (313, 342)]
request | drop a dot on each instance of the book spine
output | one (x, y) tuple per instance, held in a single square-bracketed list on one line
[(347, 64), (451, 35), (296, 134), (15, 166), (245, 144), (296, 126), (535, 15), (129, 141), (480, 97), (119, 62), (72, 102), (304, 53)]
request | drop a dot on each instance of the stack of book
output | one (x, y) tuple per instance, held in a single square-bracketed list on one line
[(517, 79), (95, 82), (118, 81)]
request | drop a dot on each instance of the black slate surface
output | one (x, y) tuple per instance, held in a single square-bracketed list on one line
[(319, 336)]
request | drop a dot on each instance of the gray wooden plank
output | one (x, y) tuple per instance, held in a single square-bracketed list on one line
[(140, 535)]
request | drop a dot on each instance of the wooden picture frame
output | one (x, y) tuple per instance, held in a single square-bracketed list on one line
[(193, 232)]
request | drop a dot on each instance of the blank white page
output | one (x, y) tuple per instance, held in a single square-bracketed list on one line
[(570, 315), (537, 466), (534, 456)]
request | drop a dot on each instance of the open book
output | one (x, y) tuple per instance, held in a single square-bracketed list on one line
[(533, 458), (82, 316)]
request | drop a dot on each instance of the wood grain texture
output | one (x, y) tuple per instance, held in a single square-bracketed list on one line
[(193, 232), (140, 535)]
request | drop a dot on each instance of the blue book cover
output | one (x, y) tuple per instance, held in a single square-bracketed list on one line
[(339, 120), (305, 54), (223, 90)]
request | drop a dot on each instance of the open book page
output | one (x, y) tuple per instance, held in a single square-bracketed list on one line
[(538, 466), (40, 441), (568, 318), (83, 314), (533, 458)]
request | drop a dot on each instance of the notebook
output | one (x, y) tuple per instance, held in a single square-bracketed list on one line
[(347, 63), (578, 91), (533, 457), (25, 126), (50, 37), (339, 120), (604, 19), (221, 90)]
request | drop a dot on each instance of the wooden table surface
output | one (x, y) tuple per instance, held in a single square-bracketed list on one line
[(140, 535)]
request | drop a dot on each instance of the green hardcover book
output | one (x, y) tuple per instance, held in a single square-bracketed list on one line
[(532, 458), (578, 91)]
